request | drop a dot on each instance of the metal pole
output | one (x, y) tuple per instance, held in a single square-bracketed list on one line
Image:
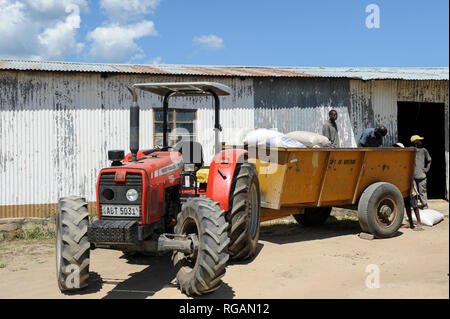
[(217, 126), (165, 119), (134, 125)]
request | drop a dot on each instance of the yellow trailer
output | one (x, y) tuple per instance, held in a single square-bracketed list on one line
[(307, 183)]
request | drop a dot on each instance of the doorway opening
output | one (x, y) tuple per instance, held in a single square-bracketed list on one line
[(428, 121)]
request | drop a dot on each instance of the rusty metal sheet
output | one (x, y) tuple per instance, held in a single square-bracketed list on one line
[(228, 71)]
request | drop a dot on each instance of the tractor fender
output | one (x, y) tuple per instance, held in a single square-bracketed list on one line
[(221, 172)]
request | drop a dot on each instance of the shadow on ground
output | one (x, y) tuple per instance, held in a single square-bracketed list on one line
[(259, 247), (224, 292), (95, 285), (159, 274), (294, 232), (145, 283)]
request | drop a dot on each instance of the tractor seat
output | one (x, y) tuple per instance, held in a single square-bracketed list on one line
[(191, 151)]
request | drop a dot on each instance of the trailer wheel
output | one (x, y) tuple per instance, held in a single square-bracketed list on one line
[(315, 216), (244, 215), (72, 244), (381, 210), (201, 272)]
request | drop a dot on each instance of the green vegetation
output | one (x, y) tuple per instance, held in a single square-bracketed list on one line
[(2, 266), (36, 233)]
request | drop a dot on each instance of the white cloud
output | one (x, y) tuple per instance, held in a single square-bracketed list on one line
[(49, 29), (53, 9), (39, 29), (157, 60), (60, 40), (116, 43), (14, 29), (212, 42), (122, 11)]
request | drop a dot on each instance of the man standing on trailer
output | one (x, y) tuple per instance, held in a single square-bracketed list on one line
[(372, 137), (423, 164), (330, 129)]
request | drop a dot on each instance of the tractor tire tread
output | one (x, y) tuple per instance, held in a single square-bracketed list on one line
[(72, 225), (212, 256)]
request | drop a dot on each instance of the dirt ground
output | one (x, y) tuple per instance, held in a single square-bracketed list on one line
[(292, 262)]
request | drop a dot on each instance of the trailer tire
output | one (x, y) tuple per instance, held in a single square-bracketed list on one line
[(72, 244), (314, 216), (244, 213), (201, 272), (381, 210)]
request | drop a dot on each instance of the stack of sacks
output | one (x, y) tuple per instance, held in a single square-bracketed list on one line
[(271, 138), (310, 139)]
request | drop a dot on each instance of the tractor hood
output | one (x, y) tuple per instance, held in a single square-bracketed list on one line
[(156, 163)]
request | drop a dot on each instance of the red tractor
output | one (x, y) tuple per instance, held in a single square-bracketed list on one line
[(150, 202)]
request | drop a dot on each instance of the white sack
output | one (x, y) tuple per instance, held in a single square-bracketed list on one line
[(428, 217), (310, 139), (284, 142), (260, 136)]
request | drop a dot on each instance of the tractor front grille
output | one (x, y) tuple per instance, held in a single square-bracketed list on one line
[(114, 193)]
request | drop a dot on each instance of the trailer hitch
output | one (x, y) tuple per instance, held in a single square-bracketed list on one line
[(183, 243)]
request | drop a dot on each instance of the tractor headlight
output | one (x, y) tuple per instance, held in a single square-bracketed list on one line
[(132, 195)]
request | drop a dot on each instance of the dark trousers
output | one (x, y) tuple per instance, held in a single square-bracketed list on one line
[(422, 189)]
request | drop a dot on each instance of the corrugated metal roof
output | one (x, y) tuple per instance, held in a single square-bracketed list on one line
[(362, 73)]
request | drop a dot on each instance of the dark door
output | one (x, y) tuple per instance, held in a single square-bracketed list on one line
[(426, 120)]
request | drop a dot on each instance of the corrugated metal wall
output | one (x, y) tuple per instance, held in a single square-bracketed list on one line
[(56, 128), (303, 104), (374, 103)]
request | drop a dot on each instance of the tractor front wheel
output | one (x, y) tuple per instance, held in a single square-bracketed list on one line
[(201, 271), (244, 215), (72, 244)]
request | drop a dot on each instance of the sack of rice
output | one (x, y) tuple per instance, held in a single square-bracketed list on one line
[(429, 217), (283, 141), (310, 139), (260, 136)]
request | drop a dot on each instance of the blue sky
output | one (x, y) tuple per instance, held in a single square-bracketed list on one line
[(259, 33)]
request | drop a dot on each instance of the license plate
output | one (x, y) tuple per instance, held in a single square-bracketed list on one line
[(120, 211)]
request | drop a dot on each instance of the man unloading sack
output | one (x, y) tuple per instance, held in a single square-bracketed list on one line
[(372, 137)]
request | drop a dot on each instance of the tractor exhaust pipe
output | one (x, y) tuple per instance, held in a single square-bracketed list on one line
[(134, 125)]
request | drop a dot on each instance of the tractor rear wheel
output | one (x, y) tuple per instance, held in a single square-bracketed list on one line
[(244, 215), (381, 210), (201, 271), (315, 216), (72, 244)]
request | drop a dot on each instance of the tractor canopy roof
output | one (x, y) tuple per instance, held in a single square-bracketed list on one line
[(185, 88)]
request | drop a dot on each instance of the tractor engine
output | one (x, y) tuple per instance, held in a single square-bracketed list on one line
[(136, 199)]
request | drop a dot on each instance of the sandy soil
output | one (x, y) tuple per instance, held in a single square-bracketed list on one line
[(292, 262)]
